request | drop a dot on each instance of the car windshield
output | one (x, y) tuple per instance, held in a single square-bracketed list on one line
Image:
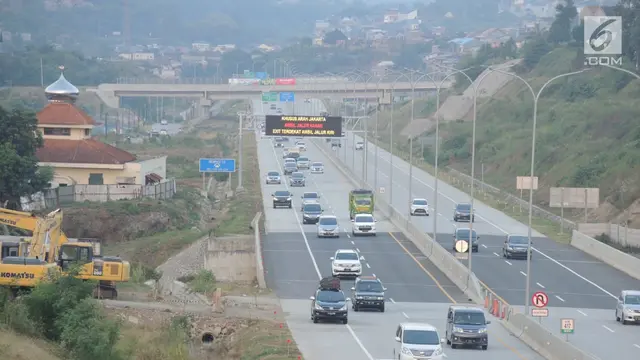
[(364, 218), (273, 173), (464, 234), (328, 221), (303, 159), (310, 195), (312, 208), (289, 160), (290, 165), (317, 164), (346, 256), (360, 143), (363, 202), (520, 240), (300, 143), (419, 202), (330, 296), (463, 207), (420, 337), (297, 175), (281, 193), (632, 299), (369, 286), (469, 318)]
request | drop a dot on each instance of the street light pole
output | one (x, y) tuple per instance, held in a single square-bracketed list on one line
[(240, 188), (393, 85)]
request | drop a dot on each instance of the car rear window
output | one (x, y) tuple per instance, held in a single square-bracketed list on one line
[(273, 173), (281, 193)]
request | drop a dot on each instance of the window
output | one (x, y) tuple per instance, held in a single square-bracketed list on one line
[(96, 179), (346, 256), (87, 132), (84, 255), (312, 208), (328, 221), (57, 131), (369, 286), (420, 337), (469, 318), (330, 296)]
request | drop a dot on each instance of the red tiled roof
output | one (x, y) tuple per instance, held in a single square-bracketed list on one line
[(63, 114), (89, 151)]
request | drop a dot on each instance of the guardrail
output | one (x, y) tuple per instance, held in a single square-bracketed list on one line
[(531, 333), (608, 254), (255, 224), (512, 199)]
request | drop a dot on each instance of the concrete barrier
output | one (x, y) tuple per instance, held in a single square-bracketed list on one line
[(439, 256), (543, 341), (255, 224), (607, 254)]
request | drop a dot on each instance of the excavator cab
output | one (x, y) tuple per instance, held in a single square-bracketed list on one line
[(9, 248), (71, 254)]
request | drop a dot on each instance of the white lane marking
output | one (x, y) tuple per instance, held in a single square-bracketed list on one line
[(484, 246), (582, 312), (501, 229), (508, 262), (610, 330), (393, 301), (368, 267), (405, 315), (358, 250), (352, 243), (636, 345), (374, 275), (315, 265), (559, 298), (542, 286), (349, 236), (496, 254), (523, 273)]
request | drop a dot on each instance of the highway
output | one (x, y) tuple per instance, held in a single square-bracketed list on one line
[(295, 259), (582, 287)]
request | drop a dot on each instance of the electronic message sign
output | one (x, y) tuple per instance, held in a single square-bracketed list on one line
[(295, 125)]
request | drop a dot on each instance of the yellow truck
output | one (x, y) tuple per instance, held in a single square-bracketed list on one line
[(360, 202)]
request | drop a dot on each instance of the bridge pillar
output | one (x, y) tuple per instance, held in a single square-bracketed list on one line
[(204, 106)]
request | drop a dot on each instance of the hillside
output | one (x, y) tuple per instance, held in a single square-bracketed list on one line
[(587, 135)]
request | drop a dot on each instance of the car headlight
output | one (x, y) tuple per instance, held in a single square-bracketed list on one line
[(380, 298), (437, 352), (343, 308), (318, 307), (288, 199), (458, 330), (509, 248), (406, 351), (359, 298), (482, 330)]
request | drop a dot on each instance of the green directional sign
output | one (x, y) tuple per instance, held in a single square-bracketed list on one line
[(270, 96)]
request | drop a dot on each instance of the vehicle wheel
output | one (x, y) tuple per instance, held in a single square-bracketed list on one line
[(289, 206), (274, 206), (447, 337), (355, 308), (382, 308), (455, 219), (484, 347), (617, 317), (353, 233), (315, 320), (453, 346), (345, 321), (624, 322)]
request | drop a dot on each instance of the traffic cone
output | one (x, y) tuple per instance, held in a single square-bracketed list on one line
[(486, 302), (496, 308)]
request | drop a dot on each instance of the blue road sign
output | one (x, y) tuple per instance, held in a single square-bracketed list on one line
[(261, 75), (218, 165), (287, 97)]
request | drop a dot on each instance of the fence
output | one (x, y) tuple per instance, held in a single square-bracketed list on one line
[(61, 196), (512, 199), (620, 235)]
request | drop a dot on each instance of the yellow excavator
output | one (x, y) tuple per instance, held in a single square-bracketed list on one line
[(27, 261)]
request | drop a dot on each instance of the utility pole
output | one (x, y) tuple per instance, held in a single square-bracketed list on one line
[(126, 23)]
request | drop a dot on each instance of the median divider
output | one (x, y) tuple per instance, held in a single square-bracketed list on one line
[(439, 256), (255, 225), (608, 254), (526, 329)]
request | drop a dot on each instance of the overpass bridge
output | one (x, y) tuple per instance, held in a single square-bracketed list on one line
[(111, 93)]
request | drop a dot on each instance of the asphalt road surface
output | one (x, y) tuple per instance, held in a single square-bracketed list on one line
[(584, 286), (295, 259)]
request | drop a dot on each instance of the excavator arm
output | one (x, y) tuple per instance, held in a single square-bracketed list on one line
[(18, 219)]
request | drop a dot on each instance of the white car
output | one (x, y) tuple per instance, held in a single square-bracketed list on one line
[(303, 162), (419, 207), (273, 177), (359, 145), (346, 263), (418, 341), (317, 168), (364, 224), (301, 145), (328, 226)]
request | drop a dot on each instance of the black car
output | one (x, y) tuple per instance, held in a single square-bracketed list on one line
[(467, 326), (290, 168), (311, 213), (282, 199), (462, 212), (329, 302), (368, 293), (516, 246), (464, 234)]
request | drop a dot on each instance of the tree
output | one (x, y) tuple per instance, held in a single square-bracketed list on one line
[(19, 171), (411, 56), (628, 9), (332, 38), (560, 31), (235, 61), (533, 51)]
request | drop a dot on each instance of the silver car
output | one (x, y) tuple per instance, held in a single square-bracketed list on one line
[(328, 226), (297, 179), (303, 162), (317, 168), (628, 308), (273, 177), (309, 198)]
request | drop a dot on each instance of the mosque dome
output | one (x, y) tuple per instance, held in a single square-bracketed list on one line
[(62, 90)]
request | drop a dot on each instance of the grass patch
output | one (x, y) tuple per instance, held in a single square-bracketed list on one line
[(266, 340), (202, 282), (231, 107), (19, 347)]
